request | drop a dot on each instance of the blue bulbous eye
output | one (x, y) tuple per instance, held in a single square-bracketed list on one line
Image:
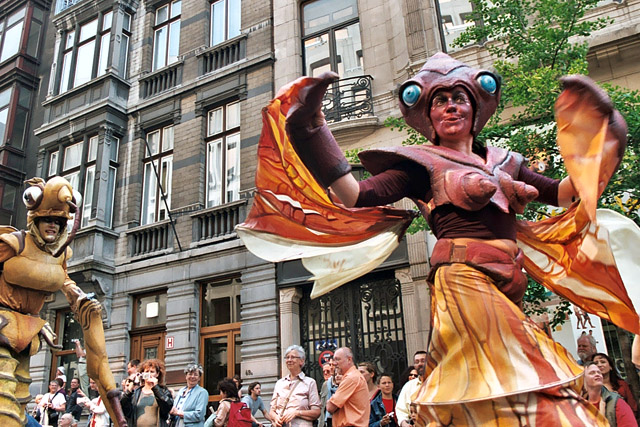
[(488, 83), (410, 94)]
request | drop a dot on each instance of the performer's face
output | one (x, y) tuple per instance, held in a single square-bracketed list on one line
[(49, 227), (451, 112)]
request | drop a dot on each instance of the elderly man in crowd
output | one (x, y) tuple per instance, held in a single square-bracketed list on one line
[(403, 410), (295, 397), (349, 405), (67, 420), (586, 348)]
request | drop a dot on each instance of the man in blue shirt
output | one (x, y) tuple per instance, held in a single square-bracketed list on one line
[(254, 402)]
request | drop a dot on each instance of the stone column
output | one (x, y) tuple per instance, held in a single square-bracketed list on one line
[(289, 320), (415, 311)]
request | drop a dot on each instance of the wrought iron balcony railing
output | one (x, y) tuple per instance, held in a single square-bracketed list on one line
[(218, 222), (349, 98)]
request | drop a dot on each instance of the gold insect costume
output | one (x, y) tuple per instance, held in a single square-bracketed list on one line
[(33, 269)]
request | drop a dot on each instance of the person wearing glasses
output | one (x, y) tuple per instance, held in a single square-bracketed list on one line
[(295, 401), (403, 410), (190, 403)]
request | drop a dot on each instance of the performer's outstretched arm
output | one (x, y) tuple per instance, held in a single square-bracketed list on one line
[(88, 312)]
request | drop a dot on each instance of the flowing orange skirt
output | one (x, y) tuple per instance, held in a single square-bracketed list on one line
[(489, 365)]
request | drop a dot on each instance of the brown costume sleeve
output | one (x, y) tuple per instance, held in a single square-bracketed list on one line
[(406, 179), (547, 187), (6, 251)]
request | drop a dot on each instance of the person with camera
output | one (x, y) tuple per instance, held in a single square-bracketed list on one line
[(149, 405), (384, 404), (52, 405)]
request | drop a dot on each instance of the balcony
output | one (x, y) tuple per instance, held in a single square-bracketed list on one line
[(348, 99), (218, 223), (223, 54), (161, 80), (153, 239)]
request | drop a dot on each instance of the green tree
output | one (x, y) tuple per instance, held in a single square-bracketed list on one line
[(532, 44)]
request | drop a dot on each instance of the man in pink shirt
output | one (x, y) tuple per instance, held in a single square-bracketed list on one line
[(349, 405)]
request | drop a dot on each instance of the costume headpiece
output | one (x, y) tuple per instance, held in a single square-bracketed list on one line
[(53, 198), (443, 72)]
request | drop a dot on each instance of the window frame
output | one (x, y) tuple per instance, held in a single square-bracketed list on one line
[(163, 156), (167, 24), (223, 137), (71, 44), (6, 26), (68, 350), (330, 31), (227, 35), (88, 163), (230, 287)]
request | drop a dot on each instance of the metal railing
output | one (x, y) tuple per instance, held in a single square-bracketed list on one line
[(161, 80), (150, 239), (223, 54), (219, 221), (348, 98)]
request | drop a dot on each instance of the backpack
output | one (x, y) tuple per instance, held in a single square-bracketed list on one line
[(239, 415)]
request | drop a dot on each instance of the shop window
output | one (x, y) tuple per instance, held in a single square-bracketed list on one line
[(225, 20), (223, 155), (220, 340), (331, 38), (159, 160), (8, 194), (166, 34)]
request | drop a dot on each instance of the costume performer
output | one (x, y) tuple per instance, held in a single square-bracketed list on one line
[(488, 364), (35, 265)]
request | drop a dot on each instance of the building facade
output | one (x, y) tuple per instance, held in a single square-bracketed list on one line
[(152, 110)]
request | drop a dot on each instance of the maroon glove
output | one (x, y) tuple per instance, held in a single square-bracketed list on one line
[(616, 138), (310, 135)]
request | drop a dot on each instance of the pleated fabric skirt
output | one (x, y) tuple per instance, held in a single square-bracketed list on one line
[(489, 365)]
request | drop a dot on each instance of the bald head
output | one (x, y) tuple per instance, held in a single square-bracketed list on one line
[(343, 358)]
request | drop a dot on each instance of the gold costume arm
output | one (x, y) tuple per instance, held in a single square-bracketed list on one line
[(88, 312)]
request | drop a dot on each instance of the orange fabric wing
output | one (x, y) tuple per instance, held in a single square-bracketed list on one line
[(292, 215), (570, 254)]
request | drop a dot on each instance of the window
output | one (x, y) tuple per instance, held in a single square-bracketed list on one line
[(225, 20), (166, 38), (331, 38), (159, 160), (15, 105), (223, 155), (8, 193), (67, 329), (85, 54), (220, 332), (455, 17), (11, 34), (79, 168), (149, 329)]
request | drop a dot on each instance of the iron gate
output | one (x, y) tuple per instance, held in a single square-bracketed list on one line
[(364, 315)]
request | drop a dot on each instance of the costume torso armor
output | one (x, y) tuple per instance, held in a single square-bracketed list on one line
[(461, 180), (29, 276), (35, 269)]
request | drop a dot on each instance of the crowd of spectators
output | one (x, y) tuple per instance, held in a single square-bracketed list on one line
[(350, 395)]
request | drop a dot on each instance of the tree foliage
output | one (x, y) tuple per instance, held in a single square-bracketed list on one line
[(534, 43)]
